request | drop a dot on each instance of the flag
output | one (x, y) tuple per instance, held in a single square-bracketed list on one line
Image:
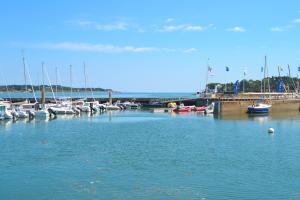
[(236, 87), (262, 69), (279, 86), (227, 69), (245, 71), (299, 69), (209, 69)]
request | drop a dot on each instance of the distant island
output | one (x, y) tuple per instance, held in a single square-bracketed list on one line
[(56, 88)]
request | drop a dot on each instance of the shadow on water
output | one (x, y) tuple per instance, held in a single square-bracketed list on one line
[(259, 117)]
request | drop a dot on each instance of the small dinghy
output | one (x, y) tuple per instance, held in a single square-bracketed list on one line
[(199, 109), (182, 108)]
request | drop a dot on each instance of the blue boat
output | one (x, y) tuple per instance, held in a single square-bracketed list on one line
[(259, 108)]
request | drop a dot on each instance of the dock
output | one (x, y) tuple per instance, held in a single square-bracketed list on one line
[(281, 102)]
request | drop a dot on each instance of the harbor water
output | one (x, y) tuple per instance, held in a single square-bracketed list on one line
[(144, 155)]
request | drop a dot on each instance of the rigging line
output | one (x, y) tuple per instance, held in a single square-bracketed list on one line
[(60, 83), (5, 82), (50, 85), (27, 71)]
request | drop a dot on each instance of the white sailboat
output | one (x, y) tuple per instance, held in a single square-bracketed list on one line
[(43, 113)]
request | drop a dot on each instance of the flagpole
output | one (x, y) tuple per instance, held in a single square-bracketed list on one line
[(244, 84), (206, 88), (261, 71), (298, 79), (227, 70), (244, 79)]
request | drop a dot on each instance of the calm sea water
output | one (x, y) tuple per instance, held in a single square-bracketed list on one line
[(143, 155), (99, 95)]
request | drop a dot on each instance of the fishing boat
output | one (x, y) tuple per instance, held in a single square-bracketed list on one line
[(259, 108)]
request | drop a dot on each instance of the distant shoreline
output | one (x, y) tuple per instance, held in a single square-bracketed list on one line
[(55, 88)]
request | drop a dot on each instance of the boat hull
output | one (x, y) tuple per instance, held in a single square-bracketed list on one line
[(258, 110)]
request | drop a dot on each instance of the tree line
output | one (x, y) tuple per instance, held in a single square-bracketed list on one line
[(289, 84), (24, 88)]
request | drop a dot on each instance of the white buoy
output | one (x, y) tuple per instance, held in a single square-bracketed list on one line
[(271, 130)]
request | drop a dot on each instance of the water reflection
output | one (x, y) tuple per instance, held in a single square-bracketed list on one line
[(259, 117)]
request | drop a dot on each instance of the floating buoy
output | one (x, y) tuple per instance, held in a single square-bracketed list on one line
[(271, 130)]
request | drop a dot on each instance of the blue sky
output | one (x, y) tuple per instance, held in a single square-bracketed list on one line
[(136, 45)]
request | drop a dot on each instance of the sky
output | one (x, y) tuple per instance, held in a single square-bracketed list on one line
[(147, 46)]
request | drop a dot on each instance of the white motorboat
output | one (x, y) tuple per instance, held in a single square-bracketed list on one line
[(5, 109), (62, 109), (22, 114), (4, 112), (92, 106), (42, 114), (130, 105), (210, 108), (113, 107)]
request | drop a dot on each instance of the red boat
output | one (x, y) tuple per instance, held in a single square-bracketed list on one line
[(183, 109), (199, 109)]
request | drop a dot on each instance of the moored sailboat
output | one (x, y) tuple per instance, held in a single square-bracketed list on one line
[(262, 107)]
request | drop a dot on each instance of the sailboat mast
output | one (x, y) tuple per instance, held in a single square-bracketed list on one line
[(264, 79), (71, 81), (85, 89), (267, 73), (43, 86), (261, 88), (56, 79), (24, 70)]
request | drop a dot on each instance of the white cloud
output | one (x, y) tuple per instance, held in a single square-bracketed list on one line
[(115, 26), (171, 28), (193, 28), (168, 20), (190, 50), (236, 29), (107, 48), (110, 27), (101, 48), (84, 23), (296, 21), (277, 29), (183, 27)]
